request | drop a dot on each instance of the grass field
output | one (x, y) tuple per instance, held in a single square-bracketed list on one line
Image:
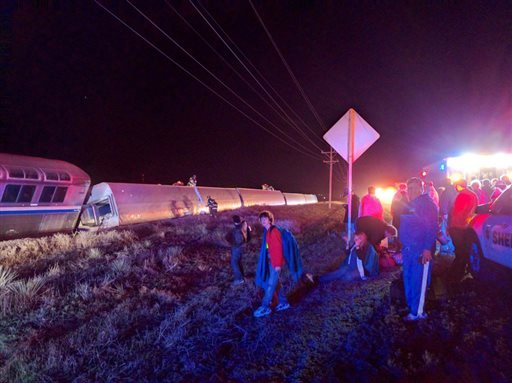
[(155, 304)]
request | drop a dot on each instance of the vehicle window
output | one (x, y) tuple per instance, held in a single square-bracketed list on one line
[(64, 176), (104, 210), (26, 194), (52, 176), (60, 194), (47, 194), (16, 173), (503, 204), (31, 173), (11, 193)]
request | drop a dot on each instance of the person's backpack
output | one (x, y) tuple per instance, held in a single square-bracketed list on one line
[(291, 252)]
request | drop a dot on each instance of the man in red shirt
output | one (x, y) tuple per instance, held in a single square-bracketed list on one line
[(274, 251), (458, 221)]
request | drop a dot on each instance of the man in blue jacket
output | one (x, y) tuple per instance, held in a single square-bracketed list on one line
[(418, 231)]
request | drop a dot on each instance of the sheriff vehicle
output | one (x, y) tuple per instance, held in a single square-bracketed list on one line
[(492, 241)]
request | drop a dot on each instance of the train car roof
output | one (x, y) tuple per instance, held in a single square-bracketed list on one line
[(16, 160)]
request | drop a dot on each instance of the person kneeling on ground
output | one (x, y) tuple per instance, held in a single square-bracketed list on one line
[(278, 246), (361, 263)]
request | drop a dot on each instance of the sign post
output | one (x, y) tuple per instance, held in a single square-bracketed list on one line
[(351, 136)]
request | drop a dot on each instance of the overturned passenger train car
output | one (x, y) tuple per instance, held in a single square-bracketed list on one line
[(119, 204), (40, 196)]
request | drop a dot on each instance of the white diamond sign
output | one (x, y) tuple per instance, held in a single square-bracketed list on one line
[(338, 136)]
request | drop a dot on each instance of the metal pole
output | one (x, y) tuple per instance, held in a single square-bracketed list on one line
[(350, 151), (330, 162)]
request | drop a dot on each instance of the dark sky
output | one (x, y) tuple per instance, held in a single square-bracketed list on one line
[(433, 78)]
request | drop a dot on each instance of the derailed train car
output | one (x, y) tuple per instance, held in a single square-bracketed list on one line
[(40, 196), (119, 204)]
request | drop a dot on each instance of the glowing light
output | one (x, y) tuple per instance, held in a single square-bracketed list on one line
[(455, 177), (385, 195), (469, 163)]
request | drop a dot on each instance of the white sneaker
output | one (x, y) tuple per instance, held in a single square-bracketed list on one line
[(282, 306), (262, 311), (412, 318)]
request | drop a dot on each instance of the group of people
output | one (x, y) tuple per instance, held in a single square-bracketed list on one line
[(418, 212)]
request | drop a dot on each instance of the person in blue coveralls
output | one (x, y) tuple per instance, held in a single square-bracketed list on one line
[(418, 231)]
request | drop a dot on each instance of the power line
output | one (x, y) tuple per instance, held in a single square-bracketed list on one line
[(200, 81), (294, 125), (285, 63), (211, 73), (260, 74), (238, 73)]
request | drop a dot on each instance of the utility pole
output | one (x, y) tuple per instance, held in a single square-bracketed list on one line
[(330, 161)]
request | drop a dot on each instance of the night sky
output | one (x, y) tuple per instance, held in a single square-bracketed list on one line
[(433, 78)]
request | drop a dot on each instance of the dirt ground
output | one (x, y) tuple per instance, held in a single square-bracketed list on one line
[(156, 304)]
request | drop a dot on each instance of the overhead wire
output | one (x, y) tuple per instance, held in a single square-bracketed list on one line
[(259, 73), (294, 125), (235, 70), (211, 73), (290, 72), (200, 81)]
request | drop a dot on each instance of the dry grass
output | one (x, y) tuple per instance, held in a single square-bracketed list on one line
[(155, 303)]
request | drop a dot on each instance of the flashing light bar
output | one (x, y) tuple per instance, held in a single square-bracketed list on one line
[(469, 163)]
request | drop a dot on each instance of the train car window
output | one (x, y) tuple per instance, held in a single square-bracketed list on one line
[(60, 194), (104, 210), (47, 194), (64, 176), (16, 173), (11, 193), (26, 194), (32, 174), (52, 176)]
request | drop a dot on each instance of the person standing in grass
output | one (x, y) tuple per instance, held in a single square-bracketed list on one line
[(270, 263), (418, 231), (240, 234)]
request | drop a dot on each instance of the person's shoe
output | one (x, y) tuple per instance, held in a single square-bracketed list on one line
[(262, 311), (310, 278), (413, 318), (238, 282), (282, 306)]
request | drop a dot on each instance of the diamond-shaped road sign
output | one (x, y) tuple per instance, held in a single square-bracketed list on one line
[(364, 136)]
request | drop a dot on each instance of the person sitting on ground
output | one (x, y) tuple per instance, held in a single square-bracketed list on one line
[(375, 229), (361, 263)]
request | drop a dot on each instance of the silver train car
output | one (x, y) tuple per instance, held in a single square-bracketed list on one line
[(39, 196), (120, 204)]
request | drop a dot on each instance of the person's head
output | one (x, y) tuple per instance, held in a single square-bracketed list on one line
[(371, 190), (486, 182), (266, 219), (402, 186), (475, 184), (360, 239), (460, 185), (237, 220), (505, 179), (390, 231), (414, 187), (501, 185)]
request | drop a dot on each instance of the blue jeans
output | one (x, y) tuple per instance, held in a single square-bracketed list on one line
[(236, 263), (271, 287)]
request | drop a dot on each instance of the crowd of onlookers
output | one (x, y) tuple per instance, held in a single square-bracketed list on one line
[(422, 216)]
